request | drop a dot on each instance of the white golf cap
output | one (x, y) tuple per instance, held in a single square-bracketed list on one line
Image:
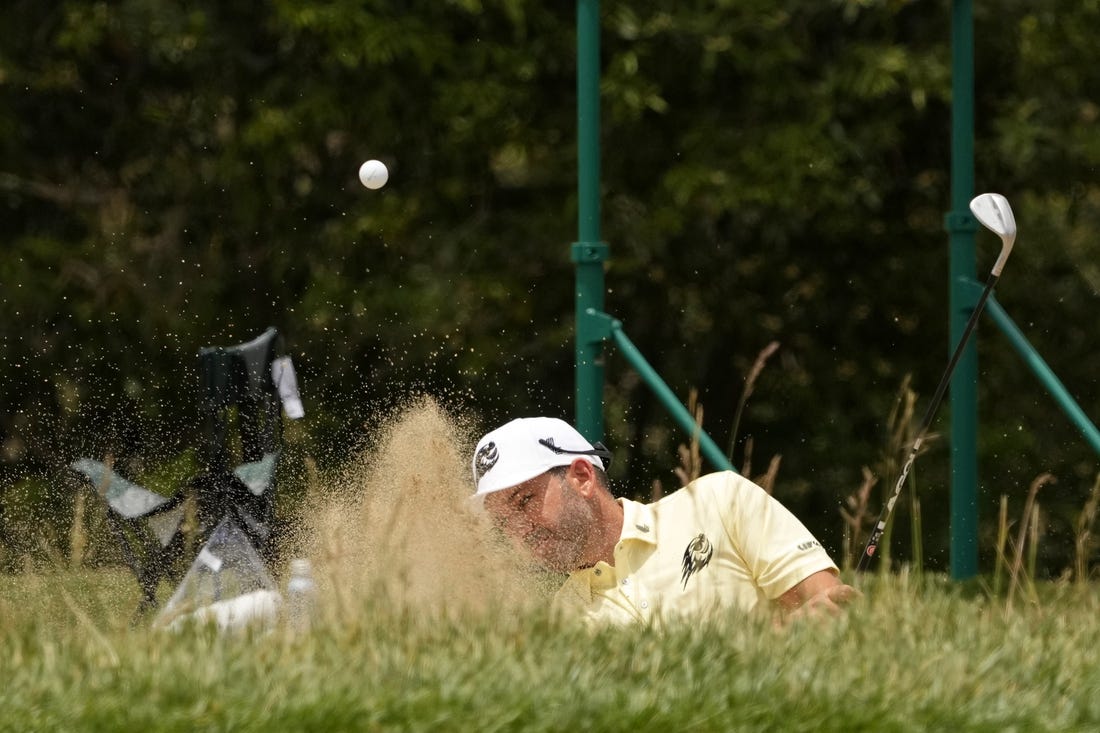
[(526, 447)]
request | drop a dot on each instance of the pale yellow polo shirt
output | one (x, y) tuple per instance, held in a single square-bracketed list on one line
[(721, 543)]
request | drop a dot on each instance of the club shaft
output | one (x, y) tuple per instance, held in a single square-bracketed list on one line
[(929, 414)]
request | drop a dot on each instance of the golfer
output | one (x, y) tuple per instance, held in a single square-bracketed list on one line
[(719, 544)]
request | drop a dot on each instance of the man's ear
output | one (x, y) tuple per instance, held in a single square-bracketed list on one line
[(583, 477)]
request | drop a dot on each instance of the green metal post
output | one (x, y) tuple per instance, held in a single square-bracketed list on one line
[(588, 252), (961, 227)]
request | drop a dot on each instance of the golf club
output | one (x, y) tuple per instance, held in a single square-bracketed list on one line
[(993, 211)]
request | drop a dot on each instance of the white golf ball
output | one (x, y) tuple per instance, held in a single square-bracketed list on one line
[(373, 174)]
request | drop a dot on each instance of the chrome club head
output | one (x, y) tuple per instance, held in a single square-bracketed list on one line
[(993, 211)]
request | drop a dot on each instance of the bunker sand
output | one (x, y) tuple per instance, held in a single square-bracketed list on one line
[(397, 528)]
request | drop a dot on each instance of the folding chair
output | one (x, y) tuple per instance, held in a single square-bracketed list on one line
[(239, 402)]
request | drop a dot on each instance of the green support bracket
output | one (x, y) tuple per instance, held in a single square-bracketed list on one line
[(961, 222), (1039, 368), (600, 325), (588, 258)]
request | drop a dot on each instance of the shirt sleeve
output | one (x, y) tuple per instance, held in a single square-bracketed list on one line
[(776, 547)]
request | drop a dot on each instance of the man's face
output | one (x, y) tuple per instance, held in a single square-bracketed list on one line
[(548, 517)]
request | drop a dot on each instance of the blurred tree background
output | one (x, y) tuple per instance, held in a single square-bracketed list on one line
[(177, 175)]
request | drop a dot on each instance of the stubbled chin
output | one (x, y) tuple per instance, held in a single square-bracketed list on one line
[(545, 554)]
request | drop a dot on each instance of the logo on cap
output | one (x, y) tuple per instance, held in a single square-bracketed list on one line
[(486, 458)]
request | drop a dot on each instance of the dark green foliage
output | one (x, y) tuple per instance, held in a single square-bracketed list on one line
[(180, 175)]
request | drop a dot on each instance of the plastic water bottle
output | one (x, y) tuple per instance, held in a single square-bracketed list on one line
[(301, 595)]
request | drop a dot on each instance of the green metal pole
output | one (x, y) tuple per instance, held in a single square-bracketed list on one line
[(961, 227), (588, 252)]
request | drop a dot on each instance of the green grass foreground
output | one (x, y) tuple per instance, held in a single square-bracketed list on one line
[(910, 656)]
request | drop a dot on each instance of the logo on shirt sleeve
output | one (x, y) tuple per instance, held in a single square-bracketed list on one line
[(696, 557)]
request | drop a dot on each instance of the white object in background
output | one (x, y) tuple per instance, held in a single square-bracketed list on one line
[(373, 174), (286, 381), (227, 568), (258, 607), (210, 560), (301, 595)]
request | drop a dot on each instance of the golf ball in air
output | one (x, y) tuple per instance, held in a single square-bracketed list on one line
[(373, 174)]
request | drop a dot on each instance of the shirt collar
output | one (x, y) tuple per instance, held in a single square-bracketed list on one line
[(637, 522), (637, 526)]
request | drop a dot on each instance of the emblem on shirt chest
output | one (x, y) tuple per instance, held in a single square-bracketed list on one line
[(696, 557)]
